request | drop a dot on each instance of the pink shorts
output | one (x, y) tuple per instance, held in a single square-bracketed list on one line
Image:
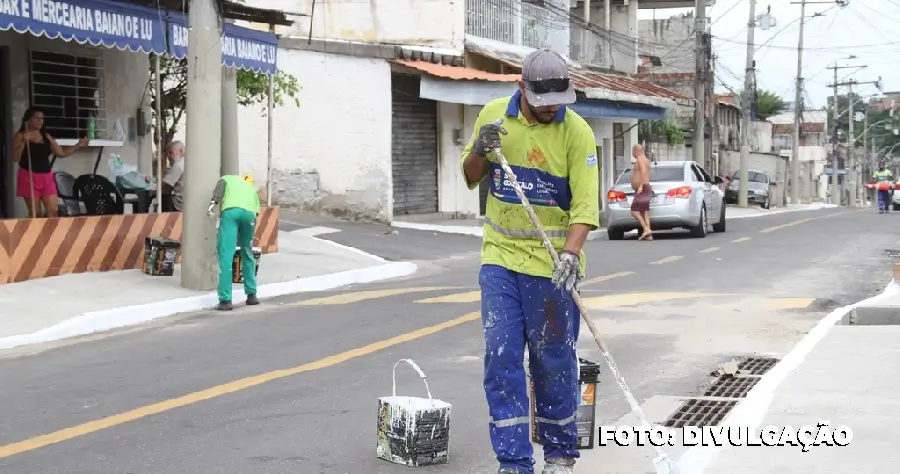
[(44, 184)]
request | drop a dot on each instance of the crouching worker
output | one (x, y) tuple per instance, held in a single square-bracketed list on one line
[(238, 207)]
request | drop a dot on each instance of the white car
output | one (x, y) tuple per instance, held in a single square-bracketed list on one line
[(895, 200), (684, 196)]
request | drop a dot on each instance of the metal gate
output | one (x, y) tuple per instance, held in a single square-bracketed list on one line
[(414, 160)]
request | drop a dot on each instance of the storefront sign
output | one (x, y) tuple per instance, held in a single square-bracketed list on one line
[(98, 22), (242, 48)]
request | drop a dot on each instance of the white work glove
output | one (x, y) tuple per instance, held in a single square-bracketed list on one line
[(209, 210), (567, 271)]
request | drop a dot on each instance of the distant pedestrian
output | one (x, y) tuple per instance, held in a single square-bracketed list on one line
[(883, 177), (640, 182), (238, 206)]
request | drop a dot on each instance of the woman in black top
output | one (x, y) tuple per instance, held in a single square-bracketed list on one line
[(31, 149)]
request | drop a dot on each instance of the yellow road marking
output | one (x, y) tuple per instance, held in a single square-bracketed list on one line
[(356, 297), (788, 303), (224, 389), (739, 240), (710, 250), (789, 224), (673, 258), (467, 297), (601, 279), (632, 299)]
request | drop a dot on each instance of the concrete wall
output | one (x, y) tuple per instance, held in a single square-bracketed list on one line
[(333, 153), (670, 39), (665, 152), (439, 24), (125, 78), (761, 137)]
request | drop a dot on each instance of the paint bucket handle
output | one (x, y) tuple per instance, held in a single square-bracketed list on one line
[(421, 374)]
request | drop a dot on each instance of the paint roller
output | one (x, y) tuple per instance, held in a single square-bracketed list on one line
[(663, 463)]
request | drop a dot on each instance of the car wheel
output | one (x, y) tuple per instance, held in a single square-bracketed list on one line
[(896, 207), (720, 226), (615, 234), (766, 203), (701, 228)]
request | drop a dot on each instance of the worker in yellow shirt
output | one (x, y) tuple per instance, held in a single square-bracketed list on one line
[(525, 298)]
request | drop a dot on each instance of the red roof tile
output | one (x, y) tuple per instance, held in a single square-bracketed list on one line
[(456, 72)]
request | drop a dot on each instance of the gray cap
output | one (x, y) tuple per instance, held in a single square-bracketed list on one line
[(546, 64)]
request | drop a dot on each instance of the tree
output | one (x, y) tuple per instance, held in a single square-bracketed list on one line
[(768, 104), (667, 130), (252, 89)]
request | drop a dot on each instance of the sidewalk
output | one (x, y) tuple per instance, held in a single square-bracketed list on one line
[(473, 226), (48, 309), (843, 372)]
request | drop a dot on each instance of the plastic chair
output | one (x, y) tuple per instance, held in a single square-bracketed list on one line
[(99, 195), (68, 196)]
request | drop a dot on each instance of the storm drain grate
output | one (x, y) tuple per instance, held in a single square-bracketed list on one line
[(731, 387), (892, 253), (700, 413), (756, 365)]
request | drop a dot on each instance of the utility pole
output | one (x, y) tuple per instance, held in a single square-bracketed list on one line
[(745, 108), (798, 112), (199, 269), (798, 99), (230, 144), (697, 145), (851, 141), (835, 193)]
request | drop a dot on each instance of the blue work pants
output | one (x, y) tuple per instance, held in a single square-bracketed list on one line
[(517, 309), (884, 200)]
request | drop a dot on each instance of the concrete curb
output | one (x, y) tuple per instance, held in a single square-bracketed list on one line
[(751, 411), (598, 234), (96, 321)]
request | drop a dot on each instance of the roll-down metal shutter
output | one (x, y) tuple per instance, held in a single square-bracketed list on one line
[(414, 148)]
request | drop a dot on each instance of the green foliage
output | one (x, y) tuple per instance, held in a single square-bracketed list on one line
[(768, 104), (667, 130), (252, 88), (880, 135)]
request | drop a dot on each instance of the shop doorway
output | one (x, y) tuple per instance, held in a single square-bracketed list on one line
[(7, 191)]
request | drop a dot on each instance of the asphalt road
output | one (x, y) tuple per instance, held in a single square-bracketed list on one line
[(291, 385)]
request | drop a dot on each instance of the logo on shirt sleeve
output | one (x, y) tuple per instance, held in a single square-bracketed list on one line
[(591, 160)]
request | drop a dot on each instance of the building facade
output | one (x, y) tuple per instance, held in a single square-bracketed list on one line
[(390, 95)]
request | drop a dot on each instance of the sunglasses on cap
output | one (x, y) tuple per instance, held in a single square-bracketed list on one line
[(546, 86)]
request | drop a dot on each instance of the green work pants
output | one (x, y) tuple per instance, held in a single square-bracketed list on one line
[(236, 227)]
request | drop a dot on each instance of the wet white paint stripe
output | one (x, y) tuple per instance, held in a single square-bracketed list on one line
[(753, 409)]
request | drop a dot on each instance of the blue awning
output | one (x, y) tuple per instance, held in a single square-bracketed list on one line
[(96, 22), (596, 108), (243, 48)]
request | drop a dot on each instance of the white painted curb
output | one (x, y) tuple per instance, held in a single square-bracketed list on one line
[(751, 411), (96, 321)]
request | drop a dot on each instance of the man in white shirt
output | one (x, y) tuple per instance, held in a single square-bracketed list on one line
[(172, 186)]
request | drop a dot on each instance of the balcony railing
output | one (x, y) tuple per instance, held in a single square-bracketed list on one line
[(509, 21), (524, 24)]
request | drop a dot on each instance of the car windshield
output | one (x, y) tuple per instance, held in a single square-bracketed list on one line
[(752, 176), (657, 174)]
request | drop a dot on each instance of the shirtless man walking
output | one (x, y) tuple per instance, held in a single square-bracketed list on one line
[(640, 182)]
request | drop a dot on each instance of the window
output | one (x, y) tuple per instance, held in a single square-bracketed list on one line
[(705, 176), (657, 174), (618, 140), (70, 91), (752, 177)]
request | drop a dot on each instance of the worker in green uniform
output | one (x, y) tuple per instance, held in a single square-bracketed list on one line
[(883, 176), (238, 207)]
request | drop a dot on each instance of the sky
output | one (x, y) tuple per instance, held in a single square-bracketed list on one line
[(863, 28)]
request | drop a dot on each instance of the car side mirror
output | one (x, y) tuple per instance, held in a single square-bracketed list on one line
[(718, 180)]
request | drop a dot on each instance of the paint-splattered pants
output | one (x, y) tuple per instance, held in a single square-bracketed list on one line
[(517, 309), (884, 200)]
